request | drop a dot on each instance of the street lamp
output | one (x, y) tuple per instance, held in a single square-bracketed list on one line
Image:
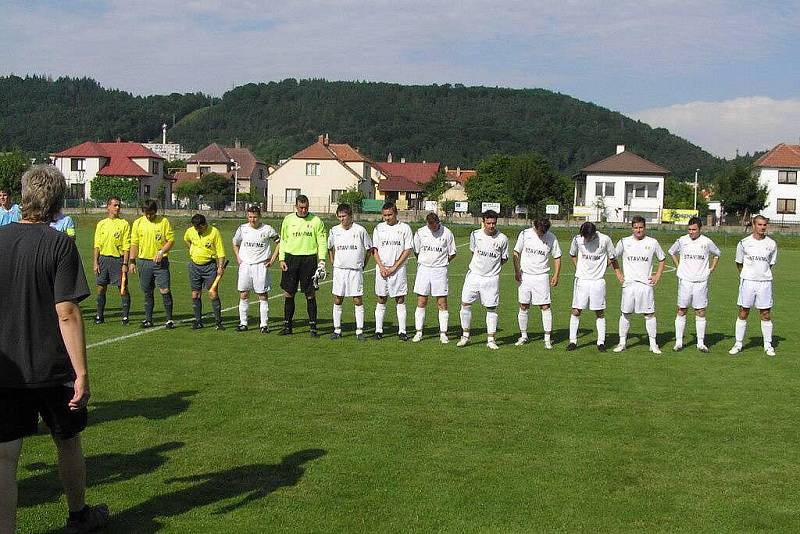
[(695, 187), (235, 182)]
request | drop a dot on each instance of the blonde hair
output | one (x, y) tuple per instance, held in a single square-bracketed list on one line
[(43, 189)]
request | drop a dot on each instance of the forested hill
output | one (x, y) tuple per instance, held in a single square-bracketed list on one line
[(38, 114), (455, 125)]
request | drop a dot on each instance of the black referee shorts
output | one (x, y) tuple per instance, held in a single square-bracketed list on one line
[(20, 410), (300, 270)]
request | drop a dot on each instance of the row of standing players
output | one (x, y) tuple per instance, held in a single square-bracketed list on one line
[(302, 245)]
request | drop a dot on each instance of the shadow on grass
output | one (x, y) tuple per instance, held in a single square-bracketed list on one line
[(152, 408), (758, 342), (101, 469), (246, 484)]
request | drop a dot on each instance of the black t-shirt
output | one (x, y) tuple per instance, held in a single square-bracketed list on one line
[(39, 267)]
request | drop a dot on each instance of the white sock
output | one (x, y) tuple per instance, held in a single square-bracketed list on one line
[(522, 321), (419, 319), (680, 326), (574, 322), (491, 323), (466, 318), (700, 326), (741, 328), (263, 311), (359, 319), (651, 325), (337, 318), (624, 326), (244, 304), (600, 324), (547, 320), (380, 311), (401, 318), (766, 331), (444, 318)]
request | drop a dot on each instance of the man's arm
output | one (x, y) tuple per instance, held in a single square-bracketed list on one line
[(713, 266), (659, 271), (133, 253), (275, 254), (556, 271), (322, 241), (617, 271), (96, 260), (676, 260), (70, 323), (517, 272)]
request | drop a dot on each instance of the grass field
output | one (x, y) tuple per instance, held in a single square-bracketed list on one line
[(205, 431)]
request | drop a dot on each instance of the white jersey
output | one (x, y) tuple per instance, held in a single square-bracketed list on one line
[(592, 256), (637, 257), (350, 246), (695, 256), (488, 252), (433, 249), (254, 243), (391, 241), (534, 250), (757, 257)]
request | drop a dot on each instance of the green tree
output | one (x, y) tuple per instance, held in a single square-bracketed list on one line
[(489, 184), (104, 187), (680, 195), (739, 191), (216, 189), (434, 189), (352, 196), (12, 166), (189, 190)]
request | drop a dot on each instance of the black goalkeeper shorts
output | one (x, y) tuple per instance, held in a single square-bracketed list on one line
[(300, 270)]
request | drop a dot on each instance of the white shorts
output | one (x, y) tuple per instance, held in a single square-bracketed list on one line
[(638, 298), (254, 277), (348, 282), (755, 293), (692, 294), (534, 289), (394, 286), (589, 294), (431, 281), (485, 287)]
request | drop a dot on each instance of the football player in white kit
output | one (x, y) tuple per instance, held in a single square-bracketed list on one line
[(591, 252), (638, 281), (349, 247), (393, 242), (695, 257), (489, 249), (435, 248), (532, 270), (251, 244), (755, 256)]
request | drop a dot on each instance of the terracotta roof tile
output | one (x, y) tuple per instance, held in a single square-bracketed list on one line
[(625, 163), (121, 166), (782, 155), (315, 151), (213, 153), (420, 173), (118, 155), (347, 153), (454, 175), (399, 183), (83, 150)]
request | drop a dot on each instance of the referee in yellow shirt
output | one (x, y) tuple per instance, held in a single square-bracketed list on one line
[(206, 261), (112, 243), (151, 240)]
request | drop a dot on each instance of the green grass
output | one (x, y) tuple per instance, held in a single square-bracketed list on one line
[(225, 432)]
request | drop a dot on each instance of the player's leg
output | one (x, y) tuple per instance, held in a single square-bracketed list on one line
[(358, 304), (490, 299), (651, 325), (440, 288), (746, 300), (209, 275), (9, 460), (163, 282), (680, 327), (444, 317), (195, 286), (547, 325), (124, 291), (147, 285), (99, 317), (700, 328), (766, 330), (337, 313), (627, 307), (540, 296), (491, 327), (244, 306), (380, 312), (600, 325), (400, 307), (419, 316), (465, 315), (311, 308), (307, 270), (398, 288), (522, 322), (289, 283), (263, 312), (646, 304), (580, 301)]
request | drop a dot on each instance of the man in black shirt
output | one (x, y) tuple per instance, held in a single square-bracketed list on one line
[(42, 347)]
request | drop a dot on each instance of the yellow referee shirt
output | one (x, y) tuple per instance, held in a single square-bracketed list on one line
[(150, 237), (112, 237), (206, 247)]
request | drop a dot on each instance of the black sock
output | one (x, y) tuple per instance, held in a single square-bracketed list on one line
[(101, 305), (311, 305), (149, 304), (216, 305), (288, 310), (167, 305), (80, 515), (197, 308), (126, 304)]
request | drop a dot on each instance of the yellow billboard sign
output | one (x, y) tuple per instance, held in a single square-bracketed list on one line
[(677, 216)]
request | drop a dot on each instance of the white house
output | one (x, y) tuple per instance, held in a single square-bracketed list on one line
[(778, 169), (322, 172), (620, 187), (80, 165)]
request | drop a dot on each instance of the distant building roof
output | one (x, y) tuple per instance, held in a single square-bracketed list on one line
[(420, 173), (624, 163), (119, 155), (185, 176), (782, 155), (215, 153), (322, 149), (399, 183), (459, 175)]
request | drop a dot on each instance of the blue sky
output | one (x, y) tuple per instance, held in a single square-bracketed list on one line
[(721, 74)]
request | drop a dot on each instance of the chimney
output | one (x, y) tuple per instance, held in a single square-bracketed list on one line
[(119, 139), (321, 139), (389, 158), (424, 162), (164, 134), (620, 149), (327, 141), (402, 160), (458, 171), (237, 143), (446, 169)]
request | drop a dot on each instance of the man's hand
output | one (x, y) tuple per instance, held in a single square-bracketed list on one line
[(620, 276), (268, 263), (384, 272), (654, 279), (96, 268), (133, 267), (518, 276), (81, 397), (284, 267), (220, 270), (554, 280), (159, 256)]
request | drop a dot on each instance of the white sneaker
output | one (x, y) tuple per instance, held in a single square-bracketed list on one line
[(417, 337), (462, 342), (736, 349), (619, 348), (678, 347), (443, 338), (654, 349), (521, 341), (547, 344), (492, 345), (702, 348), (769, 350)]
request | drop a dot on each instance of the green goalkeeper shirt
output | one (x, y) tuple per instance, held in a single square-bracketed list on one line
[(303, 237)]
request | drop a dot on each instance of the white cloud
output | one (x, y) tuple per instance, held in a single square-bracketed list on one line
[(747, 123)]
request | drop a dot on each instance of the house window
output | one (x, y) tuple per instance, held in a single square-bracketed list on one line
[(204, 170), (604, 189), (154, 167), (291, 196), (641, 190), (312, 169), (787, 206), (147, 190), (784, 177), (78, 164), (335, 194)]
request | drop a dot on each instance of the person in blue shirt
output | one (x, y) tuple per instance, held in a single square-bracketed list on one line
[(8, 212), (63, 223)]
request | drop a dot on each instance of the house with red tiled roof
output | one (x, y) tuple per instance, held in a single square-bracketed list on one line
[(236, 162), (777, 169), (321, 171), (82, 163), (620, 187), (403, 182), (456, 180)]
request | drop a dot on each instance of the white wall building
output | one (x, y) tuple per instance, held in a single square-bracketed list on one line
[(620, 187), (778, 170)]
